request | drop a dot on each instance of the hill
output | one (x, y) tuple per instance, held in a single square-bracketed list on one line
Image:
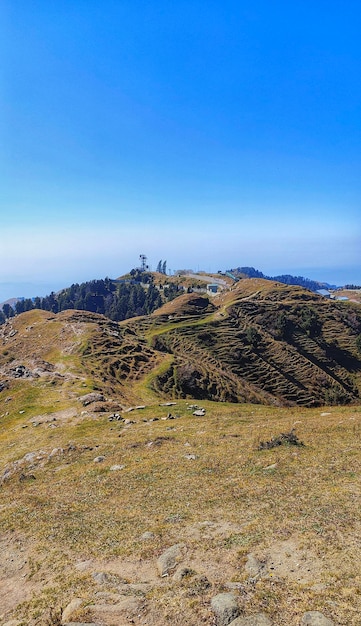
[(128, 495), (288, 279), (261, 342)]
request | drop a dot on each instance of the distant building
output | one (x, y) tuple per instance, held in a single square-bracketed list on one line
[(324, 293), (212, 288)]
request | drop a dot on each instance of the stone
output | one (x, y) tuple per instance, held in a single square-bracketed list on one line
[(70, 609), (147, 535), (253, 566), (169, 559), (91, 397), (225, 608), (114, 468), (315, 618), (99, 459), (183, 572), (260, 619)]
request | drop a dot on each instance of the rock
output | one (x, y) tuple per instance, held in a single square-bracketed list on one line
[(91, 397), (114, 468), (183, 572), (70, 609), (169, 559), (99, 459), (253, 566), (259, 619), (315, 618), (104, 578), (130, 605), (225, 608), (199, 412), (190, 457), (147, 535), (199, 584)]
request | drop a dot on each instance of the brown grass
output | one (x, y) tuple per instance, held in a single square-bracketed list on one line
[(231, 500)]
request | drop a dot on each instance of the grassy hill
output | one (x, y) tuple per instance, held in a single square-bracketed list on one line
[(104, 466)]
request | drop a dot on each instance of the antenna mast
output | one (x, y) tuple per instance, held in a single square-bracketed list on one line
[(143, 261)]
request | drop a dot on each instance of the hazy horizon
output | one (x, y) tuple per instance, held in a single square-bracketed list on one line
[(209, 134)]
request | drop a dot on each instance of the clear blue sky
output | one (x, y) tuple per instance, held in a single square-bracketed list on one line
[(209, 133)]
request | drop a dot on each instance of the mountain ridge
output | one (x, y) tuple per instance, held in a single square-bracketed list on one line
[(261, 342)]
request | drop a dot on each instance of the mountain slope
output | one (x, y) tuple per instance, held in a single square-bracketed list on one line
[(260, 342)]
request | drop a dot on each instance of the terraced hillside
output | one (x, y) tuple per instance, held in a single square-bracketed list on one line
[(266, 342), (261, 342)]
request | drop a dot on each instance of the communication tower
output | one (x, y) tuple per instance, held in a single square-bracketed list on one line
[(143, 263)]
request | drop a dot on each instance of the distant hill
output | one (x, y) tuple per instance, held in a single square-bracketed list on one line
[(261, 342), (287, 279)]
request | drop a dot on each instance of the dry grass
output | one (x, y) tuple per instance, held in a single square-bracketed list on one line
[(229, 501), (199, 481)]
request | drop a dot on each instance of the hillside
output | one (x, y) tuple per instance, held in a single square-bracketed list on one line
[(261, 342), (130, 497)]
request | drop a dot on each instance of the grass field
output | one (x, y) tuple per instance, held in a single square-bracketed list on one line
[(74, 527)]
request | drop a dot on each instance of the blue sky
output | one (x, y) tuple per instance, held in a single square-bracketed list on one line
[(211, 134)]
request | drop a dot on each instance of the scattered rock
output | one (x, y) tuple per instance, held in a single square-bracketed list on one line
[(104, 578), (147, 535), (169, 559), (114, 468), (225, 608), (259, 619), (190, 457), (284, 439), (70, 609), (315, 618), (200, 584), (270, 467), (253, 566), (183, 572), (116, 417), (130, 605), (91, 397), (99, 459), (199, 412)]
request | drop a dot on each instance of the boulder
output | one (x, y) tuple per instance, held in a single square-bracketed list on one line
[(169, 559), (70, 609), (225, 608)]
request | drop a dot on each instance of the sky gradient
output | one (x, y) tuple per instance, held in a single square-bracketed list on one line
[(211, 134)]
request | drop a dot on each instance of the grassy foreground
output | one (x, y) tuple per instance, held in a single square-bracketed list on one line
[(73, 526)]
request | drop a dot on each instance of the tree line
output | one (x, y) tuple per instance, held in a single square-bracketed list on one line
[(116, 300)]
